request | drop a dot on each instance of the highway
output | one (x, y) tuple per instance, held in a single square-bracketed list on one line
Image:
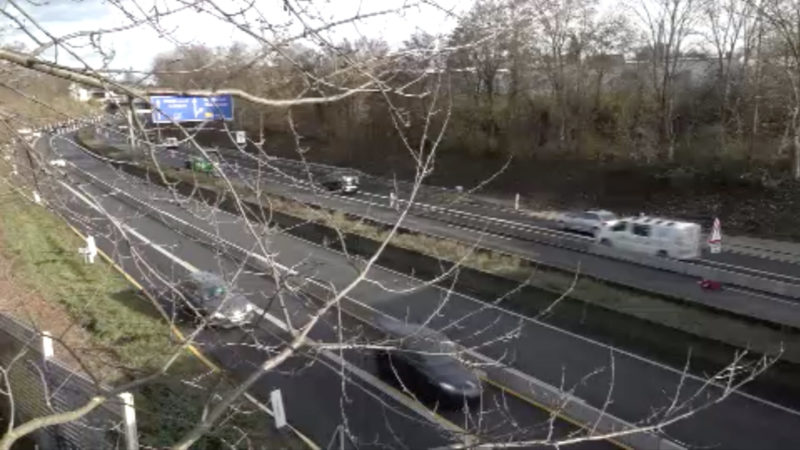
[(566, 251), (374, 412), (473, 213), (483, 216), (548, 353)]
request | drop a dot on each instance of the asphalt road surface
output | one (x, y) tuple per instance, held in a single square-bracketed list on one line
[(313, 389), (567, 253), (640, 386)]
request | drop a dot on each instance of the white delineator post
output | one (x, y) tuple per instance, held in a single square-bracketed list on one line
[(90, 251), (129, 116), (392, 200), (129, 418), (276, 401), (516, 202), (715, 239)]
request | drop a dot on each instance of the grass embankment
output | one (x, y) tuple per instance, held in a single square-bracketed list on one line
[(98, 144), (123, 335)]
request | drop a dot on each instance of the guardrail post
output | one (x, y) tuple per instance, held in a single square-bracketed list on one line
[(129, 421)]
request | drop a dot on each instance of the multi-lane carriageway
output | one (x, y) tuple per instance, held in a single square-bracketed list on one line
[(443, 213), (318, 402), (539, 350)]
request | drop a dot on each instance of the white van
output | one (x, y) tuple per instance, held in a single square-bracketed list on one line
[(654, 236)]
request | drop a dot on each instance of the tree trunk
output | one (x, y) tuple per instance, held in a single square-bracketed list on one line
[(796, 143), (665, 129)]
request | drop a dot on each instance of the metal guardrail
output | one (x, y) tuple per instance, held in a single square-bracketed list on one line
[(725, 275), (41, 386)]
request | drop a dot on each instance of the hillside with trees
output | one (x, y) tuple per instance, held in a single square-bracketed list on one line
[(697, 98)]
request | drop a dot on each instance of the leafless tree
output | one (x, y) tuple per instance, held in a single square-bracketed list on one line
[(728, 22), (280, 76), (784, 18), (667, 24)]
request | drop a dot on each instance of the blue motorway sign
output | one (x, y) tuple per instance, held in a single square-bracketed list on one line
[(173, 108)]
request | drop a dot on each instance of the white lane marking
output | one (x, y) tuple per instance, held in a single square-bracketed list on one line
[(128, 229), (611, 348), (365, 376), (749, 269), (482, 303), (793, 304)]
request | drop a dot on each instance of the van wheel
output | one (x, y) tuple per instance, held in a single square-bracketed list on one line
[(595, 230), (605, 242), (662, 254)]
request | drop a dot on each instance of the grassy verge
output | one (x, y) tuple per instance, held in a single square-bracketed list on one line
[(125, 336), (89, 139)]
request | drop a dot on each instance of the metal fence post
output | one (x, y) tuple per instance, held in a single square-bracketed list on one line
[(50, 437), (47, 346), (129, 417)]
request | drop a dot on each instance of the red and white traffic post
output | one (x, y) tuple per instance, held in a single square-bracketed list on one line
[(715, 239)]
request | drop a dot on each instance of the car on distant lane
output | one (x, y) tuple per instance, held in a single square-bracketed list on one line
[(344, 182), (590, 221)]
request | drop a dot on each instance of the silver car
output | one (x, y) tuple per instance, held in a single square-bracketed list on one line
[(208, 295), (590, 222)]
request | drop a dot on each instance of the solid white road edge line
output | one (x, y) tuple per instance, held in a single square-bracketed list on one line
[(365, 376)]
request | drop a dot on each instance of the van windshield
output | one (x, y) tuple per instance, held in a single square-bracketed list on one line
[(619, 226)]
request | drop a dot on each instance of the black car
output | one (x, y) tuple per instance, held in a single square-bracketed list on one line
[(424, 361), (346, 183), (207, 295)]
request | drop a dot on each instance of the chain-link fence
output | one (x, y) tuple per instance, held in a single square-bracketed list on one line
[(42, 386)]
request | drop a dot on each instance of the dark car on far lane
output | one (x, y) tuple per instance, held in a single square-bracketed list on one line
[(425, 361), (343, 182)]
